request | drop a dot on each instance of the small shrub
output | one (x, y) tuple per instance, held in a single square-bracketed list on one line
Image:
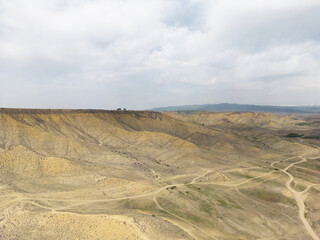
[(294, 135), (304, 124)]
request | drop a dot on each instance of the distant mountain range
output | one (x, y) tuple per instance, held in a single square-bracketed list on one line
[(231, 107)]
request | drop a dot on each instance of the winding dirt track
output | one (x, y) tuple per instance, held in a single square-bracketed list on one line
[(299, 197)]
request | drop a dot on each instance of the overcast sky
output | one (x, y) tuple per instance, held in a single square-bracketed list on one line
[(149, 53)]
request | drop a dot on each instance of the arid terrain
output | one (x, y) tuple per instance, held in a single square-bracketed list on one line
[(93, 174)]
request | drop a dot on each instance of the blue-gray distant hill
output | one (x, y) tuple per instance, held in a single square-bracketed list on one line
[(230, 107)]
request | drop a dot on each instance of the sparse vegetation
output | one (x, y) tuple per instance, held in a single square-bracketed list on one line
[(304, 124), (312, 137), (294, 135), (143, 170), (247, 176), (206, 207), (269, 196)]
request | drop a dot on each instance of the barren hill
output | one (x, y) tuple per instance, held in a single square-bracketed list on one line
[(245, 119), (95, 174)]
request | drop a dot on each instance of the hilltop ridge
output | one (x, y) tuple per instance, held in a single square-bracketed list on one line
[(228, 107)]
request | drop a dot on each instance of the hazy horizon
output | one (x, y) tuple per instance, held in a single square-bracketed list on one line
[(141, 54), (164, 107)]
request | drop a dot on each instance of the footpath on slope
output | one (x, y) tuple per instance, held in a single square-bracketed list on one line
[(299, 197)]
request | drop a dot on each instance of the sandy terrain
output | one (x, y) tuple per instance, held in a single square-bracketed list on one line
[(91, 174)]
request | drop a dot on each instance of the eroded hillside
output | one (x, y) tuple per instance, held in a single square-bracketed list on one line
[(239, 119), (91, 174)]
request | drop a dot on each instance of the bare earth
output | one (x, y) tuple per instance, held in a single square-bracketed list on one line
[(91, 174)]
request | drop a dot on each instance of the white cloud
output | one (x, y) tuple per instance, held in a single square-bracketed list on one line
[(152, 53)]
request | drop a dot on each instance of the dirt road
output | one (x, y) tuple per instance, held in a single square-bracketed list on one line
[(299, 196)]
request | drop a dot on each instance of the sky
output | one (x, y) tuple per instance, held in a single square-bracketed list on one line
[(141, 54)]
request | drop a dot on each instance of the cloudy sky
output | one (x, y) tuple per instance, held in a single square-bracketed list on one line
[(141, 54)]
